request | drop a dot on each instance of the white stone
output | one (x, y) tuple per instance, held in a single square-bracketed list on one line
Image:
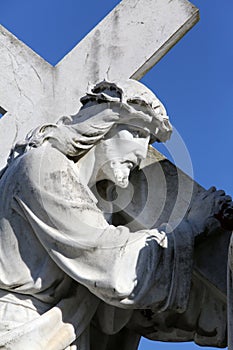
[(69, 264), (127, 43)]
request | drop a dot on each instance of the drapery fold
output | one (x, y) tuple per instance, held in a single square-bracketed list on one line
[(63, 244)]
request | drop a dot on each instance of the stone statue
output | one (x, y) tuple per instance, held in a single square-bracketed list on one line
[(70, 277)]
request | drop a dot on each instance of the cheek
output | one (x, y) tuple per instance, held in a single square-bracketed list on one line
[(119, 148), (142, 145), (116, 148)]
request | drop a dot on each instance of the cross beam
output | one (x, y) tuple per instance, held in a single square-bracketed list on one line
[(127, 43)]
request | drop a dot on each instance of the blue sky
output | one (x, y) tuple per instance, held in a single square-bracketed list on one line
[(194, 80)]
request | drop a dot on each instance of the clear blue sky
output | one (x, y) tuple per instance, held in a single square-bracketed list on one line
[(194, 80)]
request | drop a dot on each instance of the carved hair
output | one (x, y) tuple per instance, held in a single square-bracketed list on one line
[(106, 105)]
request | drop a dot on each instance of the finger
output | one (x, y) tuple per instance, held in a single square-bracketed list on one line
[(225, 199), (212, 189), (208, 192), (220, 193), (223, 202), (226, 219)]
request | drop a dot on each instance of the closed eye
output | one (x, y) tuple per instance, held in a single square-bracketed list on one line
[(140, 133)]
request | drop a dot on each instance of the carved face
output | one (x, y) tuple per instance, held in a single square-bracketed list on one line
[(123, 149)]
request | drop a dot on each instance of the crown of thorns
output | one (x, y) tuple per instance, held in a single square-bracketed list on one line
[(137, 98)]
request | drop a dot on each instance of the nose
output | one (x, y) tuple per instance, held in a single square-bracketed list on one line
[(136, 150), (137, 155)]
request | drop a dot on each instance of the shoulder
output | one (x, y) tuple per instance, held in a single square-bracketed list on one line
[(49, 172), (44, 156), (44, 164)]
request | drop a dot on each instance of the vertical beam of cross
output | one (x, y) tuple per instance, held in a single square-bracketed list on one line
[(127, 43)]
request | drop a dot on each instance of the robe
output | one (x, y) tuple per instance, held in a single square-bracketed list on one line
[(67, 276)]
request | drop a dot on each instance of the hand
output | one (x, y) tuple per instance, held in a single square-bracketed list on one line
[(225, 216), (206, 212)]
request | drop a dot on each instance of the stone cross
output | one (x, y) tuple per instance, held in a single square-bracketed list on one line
[(127, 43)]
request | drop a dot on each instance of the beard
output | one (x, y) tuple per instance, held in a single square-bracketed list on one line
[(121, 176), (118, 172)]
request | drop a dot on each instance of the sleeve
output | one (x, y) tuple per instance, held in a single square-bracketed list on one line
[(125, 269)]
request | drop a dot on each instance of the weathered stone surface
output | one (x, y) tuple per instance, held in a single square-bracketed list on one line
[(127, 43), (64, 250), (26, 85), (33, 92)]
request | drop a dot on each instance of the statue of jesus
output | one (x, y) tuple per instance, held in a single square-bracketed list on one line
[(69, 278)]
